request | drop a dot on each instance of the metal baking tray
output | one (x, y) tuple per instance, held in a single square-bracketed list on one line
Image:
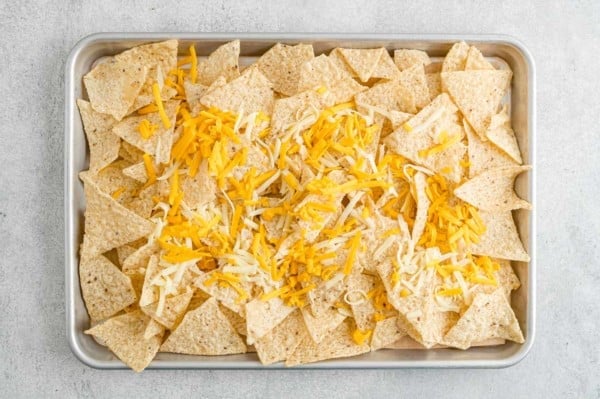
[(522, 101)]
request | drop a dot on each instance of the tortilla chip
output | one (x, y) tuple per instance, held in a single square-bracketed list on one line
[(102, 143), (124, 336), (149, 292), (438, 116), (324, 296), (385, 69), (200, 189), (227, 296), (456, 58), (321, 71), (279, 343), (506, 278), (251, 92), (423, 203), (413, 79), (385, 333), (397, 118), (224, 61), (112, 181), (196, 104), (338, 59), (406, 58), (423, 321), (501, 134), (108, 224), (237, 321), (289, 111), (489, 316), (406, 342), (113, 85), (193, 93), (386, 97), (434, 67), (105, 289), (493, 190), (476, 61), (501, 239), (123, 252), (319, 327), (136, 172), (360, 284), (153, 329), (483, 155), (159, 58), (173, 311), (477, 94), (434, 84), (281, 65), (160, 143), (130, 153), (362, 61), (138, 260), (263, 316), (338, 343), (204, 331)]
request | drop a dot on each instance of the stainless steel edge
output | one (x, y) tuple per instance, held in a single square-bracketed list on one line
[(474, 358)]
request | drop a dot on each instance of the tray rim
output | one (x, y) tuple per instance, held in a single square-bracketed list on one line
[(71, 267)]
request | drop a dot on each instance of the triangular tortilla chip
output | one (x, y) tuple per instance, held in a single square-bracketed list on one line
[(434, 84), (489, 316), (137, 172), (251, 92), (338, 59), (204, 331), (124, 336), (386, 332), (386, 97), (501, 134), (153, 329), (159, 58), (279, 343), (476, 61), (423, 202), (227, 296), (456, 58), (193, 93), (501, 239), (281, 65), (108, 224), (224, 61), (421, 319), (149, 292), (130, 153), (200, 189), (406, 58), (362, 61), (196, 106), (423, 131), (319, 327), (359, 285), (103, 144), (263, 316), (414, 80), (324, 296), (338, 343), (124, 251), (160, 143), (493, 190), (173, 310), (477, 94), (237, 321), (506, 278), (385, 69), (483, 155), (113, 85), (105, 289), (112, 181), (298, 112), (321, 71)]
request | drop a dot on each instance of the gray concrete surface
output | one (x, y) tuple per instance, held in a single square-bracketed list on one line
[(35, 38)]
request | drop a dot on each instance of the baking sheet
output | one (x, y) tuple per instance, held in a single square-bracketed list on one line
[(522, 101)]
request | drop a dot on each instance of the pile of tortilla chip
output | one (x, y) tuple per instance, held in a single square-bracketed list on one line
[(304, 207)]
